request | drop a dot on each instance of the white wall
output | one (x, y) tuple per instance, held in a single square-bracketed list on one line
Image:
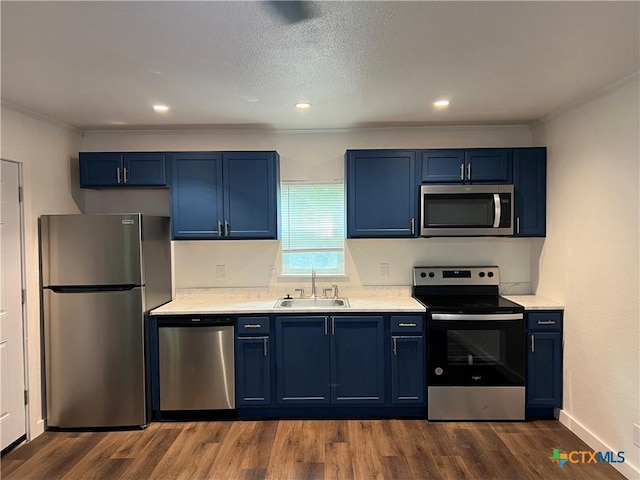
[(590, 261), (317, 155), (48, 154)]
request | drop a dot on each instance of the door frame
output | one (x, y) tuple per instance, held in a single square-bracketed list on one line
[(24, 326)]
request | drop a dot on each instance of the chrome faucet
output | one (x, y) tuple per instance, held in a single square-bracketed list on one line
[(313, 283)]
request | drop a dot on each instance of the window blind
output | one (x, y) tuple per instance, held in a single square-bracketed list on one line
[(313, 227)]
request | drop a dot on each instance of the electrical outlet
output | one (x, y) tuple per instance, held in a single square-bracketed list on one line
[(636, 435), (221, 271), (384, 270), (272, 271)]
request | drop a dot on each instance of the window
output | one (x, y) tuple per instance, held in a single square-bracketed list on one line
[(312, 228)]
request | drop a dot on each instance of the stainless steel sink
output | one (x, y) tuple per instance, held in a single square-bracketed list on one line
[(312, 303)]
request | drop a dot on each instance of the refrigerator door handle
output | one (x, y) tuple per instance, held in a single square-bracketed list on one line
[(93, 288)]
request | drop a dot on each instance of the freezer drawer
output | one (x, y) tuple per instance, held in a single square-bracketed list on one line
[(94, 359), (196, 367)]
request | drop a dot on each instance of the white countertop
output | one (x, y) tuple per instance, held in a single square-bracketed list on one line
[(535, 302), (233, 303)]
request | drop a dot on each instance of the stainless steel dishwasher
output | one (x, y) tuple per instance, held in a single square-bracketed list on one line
[(196, 363)]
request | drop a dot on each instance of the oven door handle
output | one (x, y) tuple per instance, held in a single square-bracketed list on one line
[(473, 317)]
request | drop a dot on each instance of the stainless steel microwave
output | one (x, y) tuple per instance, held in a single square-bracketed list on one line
[(466, 210)]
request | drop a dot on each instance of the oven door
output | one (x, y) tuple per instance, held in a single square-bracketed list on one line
[(466, 210), (476, 349)]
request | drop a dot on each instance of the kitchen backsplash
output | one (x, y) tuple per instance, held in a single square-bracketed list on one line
[(247, 264)]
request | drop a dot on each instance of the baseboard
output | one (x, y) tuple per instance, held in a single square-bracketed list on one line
[(627, 468)]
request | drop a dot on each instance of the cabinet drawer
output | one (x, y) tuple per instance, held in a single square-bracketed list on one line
[(551, 320), (407, 324), (253, 325)]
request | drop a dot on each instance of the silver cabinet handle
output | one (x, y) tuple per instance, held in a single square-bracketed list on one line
[(407, 324), (219, 228), (265, 341), (462, 171), (533, 343), (333, 325), (498, 210), (226, 228), (413, 225), (468, 171), (546, 322), (326, 328), (118, 175), (124, 170), (395, 346), (517, 224), (253, 325)]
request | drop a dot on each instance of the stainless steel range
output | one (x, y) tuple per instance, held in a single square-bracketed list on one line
[(475, 345)]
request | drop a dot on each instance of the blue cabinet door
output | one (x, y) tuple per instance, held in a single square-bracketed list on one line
[(489, 165), (530, 191), (443, 166), (251, 190), (407, 370), (302, 359), (100, 170), (382, 193), (196, 195), (544, 369), (144, 169), (122, 169), (253, 371), (357, 360), (477, 165)]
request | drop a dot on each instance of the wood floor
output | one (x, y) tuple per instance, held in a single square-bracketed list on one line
[(307, 449)]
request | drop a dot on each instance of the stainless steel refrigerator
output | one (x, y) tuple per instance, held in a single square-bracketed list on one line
[(100, 275)]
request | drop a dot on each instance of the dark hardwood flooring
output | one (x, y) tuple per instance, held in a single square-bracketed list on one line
[(307, 449)]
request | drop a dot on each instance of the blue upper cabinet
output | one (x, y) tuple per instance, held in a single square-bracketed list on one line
[(228, 195), (529, 185), (477, 165), (443, 166), (250, 195), (382, 193), (196, 195), (122, 169)]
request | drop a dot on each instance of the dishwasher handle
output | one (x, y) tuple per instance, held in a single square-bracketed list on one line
[(196, 321)]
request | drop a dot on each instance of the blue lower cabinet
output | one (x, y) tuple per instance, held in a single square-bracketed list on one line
[(357, 360), (407, 369), (544, 368), (544, 363), (302, 359), (253, 371), (330, 360)]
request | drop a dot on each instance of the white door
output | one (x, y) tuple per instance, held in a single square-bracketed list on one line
[(12, 379)]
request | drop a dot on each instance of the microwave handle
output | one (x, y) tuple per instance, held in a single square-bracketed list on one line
[(498, 210)]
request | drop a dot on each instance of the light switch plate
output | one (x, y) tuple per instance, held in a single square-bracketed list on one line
[(636, 435)]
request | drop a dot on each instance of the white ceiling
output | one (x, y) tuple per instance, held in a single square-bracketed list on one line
[(102, 65)]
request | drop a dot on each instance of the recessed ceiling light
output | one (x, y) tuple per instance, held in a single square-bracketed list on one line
[(303, 105), (161, 108), (441, 104)]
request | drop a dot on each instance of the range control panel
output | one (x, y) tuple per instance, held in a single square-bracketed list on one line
[(456, 276)]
